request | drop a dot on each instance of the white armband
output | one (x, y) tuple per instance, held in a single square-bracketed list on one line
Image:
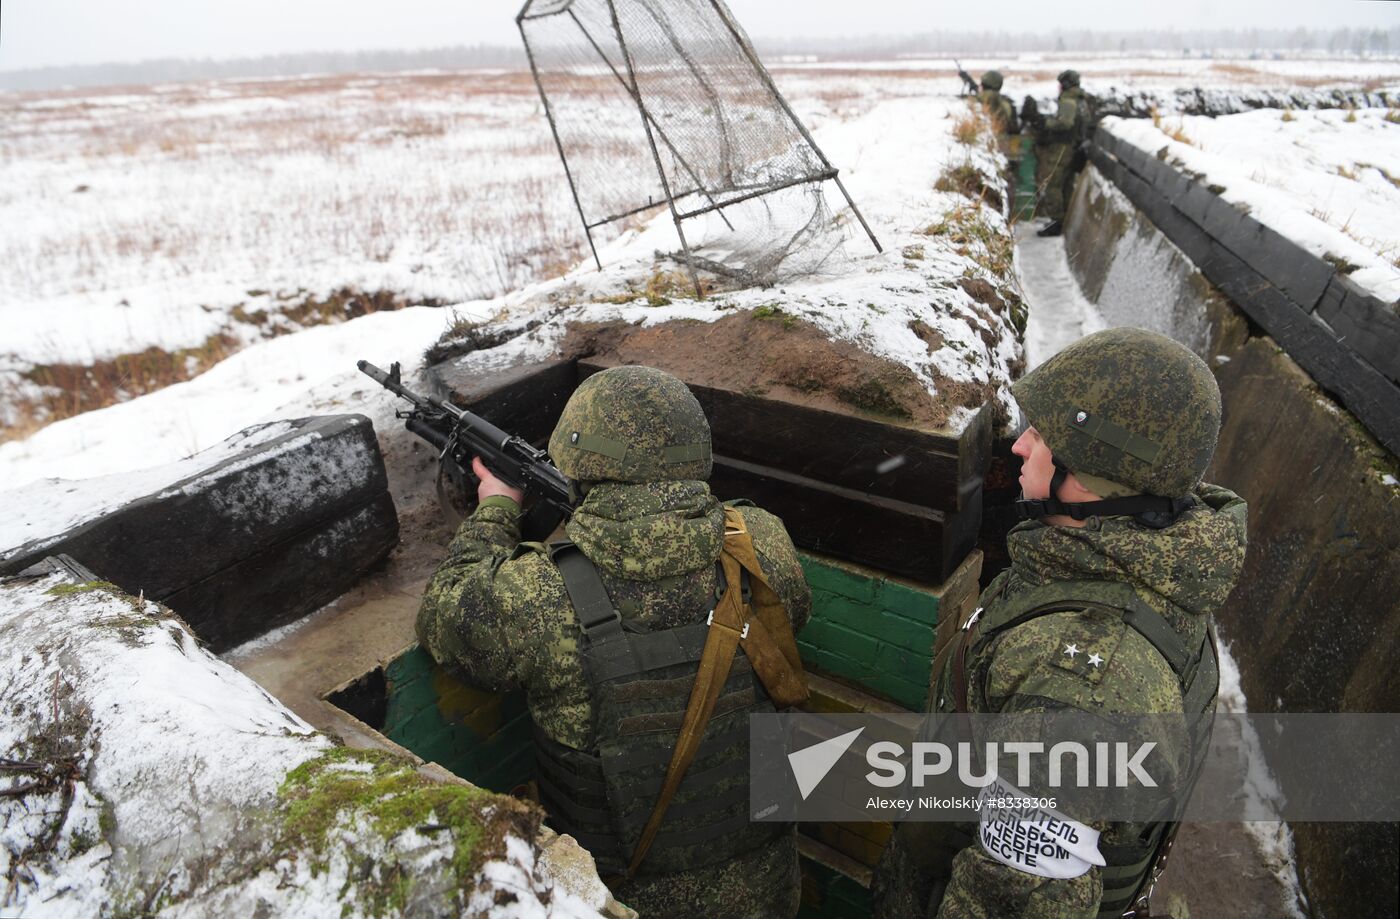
[(1031, 837)]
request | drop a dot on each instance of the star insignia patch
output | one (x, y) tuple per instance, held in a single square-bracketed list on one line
[(1071, 651), (1095, 660)]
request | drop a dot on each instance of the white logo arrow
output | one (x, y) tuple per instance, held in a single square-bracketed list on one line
[(811, 765)]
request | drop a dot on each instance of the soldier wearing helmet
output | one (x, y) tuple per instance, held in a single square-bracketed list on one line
[(584, 626), (1122, 558), (1059, 158), (1000, 108), (1003, 114)]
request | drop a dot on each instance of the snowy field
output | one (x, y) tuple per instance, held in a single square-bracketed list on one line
[(1329, 180), (178, 215)]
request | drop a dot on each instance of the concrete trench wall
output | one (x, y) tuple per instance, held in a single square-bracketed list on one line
[(1315, 622)]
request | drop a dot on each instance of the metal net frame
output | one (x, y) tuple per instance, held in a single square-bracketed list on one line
[(655, 102)]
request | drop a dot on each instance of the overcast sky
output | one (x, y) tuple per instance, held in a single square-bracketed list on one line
[(38, 33)]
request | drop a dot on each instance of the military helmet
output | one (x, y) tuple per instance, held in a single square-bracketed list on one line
[(991, 80), (632, 424), (1128, 406), (1068, 78)]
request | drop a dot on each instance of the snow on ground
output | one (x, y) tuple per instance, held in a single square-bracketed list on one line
[(1273, 838), (260, 383), (871, 299), (148, 776), (861, 295), (1057, 313), (1328, 180)]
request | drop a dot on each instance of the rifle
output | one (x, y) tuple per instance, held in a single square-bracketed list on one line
[(458, 435), (970, 87)]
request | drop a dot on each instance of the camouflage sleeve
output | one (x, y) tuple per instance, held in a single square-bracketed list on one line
[(462, 619), (778, 558), (983, 888), (1065, 118)]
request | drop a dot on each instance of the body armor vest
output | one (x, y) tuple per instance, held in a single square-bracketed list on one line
[(639, 685), (1131, 869)]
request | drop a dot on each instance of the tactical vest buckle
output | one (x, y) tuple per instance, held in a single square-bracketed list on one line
[(710, 620)]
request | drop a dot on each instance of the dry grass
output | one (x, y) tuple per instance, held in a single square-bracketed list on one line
[(975, 238), (968, 129), (964, 179), (68, 389), (1179, 134), (71, 389), (1288, 115), (1393, 116), (1346, 173)]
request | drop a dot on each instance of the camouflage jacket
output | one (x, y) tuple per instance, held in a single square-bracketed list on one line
[(496, 611), (1001, 110), (1070, 123), (1184, 572)]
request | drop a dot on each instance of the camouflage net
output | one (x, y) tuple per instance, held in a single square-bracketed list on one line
[(657, 100)]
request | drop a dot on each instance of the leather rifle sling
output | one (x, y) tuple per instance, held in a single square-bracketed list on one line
[(774, 659)]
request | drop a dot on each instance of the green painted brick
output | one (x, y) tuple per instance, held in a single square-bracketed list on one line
[(909, 665), (896, 630), (834, 663), (848, 612), (838, 639), (827, 577), (909, 603), (911, 695)]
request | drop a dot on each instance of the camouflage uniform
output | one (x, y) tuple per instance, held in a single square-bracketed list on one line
[(498, 614), (1057, 147), (1000, 108), (1183, 571)]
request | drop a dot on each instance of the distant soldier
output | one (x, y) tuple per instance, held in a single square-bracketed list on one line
[(663, 598), (1058, 155), (1003, 114), (1000, 108), (1122, 559)]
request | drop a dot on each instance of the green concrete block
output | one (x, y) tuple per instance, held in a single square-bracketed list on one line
[(840, 640), (911, 695), (914, 666), (836, 664), (848, 612), (909, 603), (896, 630), (822, 576)]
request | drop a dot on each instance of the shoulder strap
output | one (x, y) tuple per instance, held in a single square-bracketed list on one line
[(766, 635), (597, 617)]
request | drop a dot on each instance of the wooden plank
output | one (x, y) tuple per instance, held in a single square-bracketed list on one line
[(1364, 390), (894, 536), (925, 468), (1364, 323)]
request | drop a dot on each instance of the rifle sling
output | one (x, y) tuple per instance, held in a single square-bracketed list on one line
[(768, 642)]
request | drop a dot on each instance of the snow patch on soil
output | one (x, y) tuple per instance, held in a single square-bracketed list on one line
[(1273, 838)]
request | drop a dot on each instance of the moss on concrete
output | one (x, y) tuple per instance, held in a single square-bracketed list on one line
[(343, 787)]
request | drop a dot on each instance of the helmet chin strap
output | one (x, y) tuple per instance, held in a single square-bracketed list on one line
[(1149, 510)]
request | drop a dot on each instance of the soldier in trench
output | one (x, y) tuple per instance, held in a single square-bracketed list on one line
[(609, 634), (1059, 142), (1120, 561)]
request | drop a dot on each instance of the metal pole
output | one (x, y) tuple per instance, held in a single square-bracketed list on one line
[(651, 141), (773, 88), (559, 145), (699, 185)]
